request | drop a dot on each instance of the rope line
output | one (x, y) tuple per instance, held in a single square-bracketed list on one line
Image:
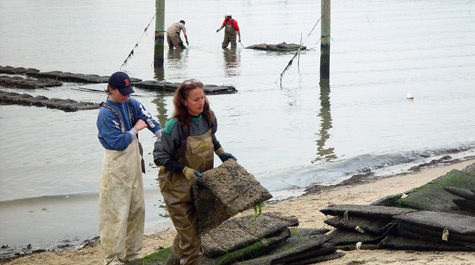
[(137, 43), (298, 52)]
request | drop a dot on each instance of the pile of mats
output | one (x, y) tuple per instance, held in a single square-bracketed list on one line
[(429, 217), (267, 239)]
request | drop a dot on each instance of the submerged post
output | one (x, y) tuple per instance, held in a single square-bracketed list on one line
[(159, 33), (325, 42)]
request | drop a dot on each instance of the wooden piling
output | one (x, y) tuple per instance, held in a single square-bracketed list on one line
[(325, 42), (159, 33)]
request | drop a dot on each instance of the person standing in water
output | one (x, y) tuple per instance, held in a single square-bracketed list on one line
[(230, 32), (173, 35)]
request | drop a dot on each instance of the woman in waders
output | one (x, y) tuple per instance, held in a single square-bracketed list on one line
[(185, 149)]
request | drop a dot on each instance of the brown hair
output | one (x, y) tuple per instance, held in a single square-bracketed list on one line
[(182, 92), (108, 92)]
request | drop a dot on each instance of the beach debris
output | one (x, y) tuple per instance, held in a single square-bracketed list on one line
[(277, 47), (225, 191)]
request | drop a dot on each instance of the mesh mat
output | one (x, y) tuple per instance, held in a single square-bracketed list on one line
[(370, 211), (264, 245), (432, 196), (457, 223), (406, 243), (345, 237), (363, 225), (295, 249), (434, 235), (296, 231), (225, 191), (243, 231), (466, 205)]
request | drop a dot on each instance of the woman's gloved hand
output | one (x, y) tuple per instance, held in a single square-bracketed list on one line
[(223, 155), (192, 176)]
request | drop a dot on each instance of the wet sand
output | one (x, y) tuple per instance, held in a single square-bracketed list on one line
[(306, 209)]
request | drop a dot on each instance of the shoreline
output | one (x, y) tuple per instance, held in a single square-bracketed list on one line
[(360, 190)]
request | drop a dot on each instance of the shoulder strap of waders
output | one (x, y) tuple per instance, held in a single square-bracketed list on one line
[(103, 104), (186, 132), (131, 115)]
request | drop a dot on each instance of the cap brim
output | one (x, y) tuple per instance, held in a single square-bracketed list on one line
[(126, 90)]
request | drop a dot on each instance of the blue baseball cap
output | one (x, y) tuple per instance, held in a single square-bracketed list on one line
[(121, 81)]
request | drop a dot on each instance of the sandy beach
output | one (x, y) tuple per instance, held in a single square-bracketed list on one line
[(306, 209)]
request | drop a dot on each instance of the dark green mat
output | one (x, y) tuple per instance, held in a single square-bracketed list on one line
[(295, 249), (258, 248), (433, 197), (466, 205), (432, 235), (405, 243)]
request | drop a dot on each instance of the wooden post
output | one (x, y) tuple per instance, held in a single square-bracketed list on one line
[(325, 42), (159, 33)]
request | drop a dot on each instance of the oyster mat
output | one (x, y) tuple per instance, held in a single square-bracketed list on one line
[(225, 191)]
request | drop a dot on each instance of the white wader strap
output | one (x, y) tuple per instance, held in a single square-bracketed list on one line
[(131, 116)]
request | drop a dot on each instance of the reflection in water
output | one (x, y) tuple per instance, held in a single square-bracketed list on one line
[(161, 108), (174, 54), (159, 73), (232, 60), (324, 154)]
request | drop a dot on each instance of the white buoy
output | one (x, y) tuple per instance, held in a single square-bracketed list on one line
[(410, 95)]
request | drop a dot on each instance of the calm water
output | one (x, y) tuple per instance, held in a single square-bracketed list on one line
[(288, 136)]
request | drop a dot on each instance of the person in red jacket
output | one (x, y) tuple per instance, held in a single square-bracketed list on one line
[(230, 31)]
